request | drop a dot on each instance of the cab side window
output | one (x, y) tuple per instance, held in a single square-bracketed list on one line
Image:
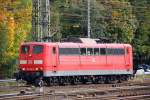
[(54, 50), (69, 51), (89, 51), (103, 51), (96, 51), (83, 51)]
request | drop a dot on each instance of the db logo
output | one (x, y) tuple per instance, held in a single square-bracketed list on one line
[(29, 61)]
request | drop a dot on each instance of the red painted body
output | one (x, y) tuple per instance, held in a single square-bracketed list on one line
[(50, 62)]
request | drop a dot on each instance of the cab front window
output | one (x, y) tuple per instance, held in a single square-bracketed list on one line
[(38, 49), (25, 49)]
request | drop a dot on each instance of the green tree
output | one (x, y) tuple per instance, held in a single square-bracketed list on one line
[(122, 24), (142, 35)]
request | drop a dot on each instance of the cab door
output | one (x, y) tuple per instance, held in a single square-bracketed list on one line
[(54, 58), (128, 57)]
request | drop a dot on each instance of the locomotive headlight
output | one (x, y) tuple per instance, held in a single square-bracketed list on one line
[(23, 69), (36, 69), (38, 61)]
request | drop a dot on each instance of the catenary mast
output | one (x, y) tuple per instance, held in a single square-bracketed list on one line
[(41, 20), (89, 22)]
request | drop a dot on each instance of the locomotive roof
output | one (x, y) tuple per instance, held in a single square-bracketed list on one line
[(93, 45), (84, 42)]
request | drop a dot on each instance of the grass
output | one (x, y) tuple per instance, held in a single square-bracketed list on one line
[(142, 77), (147, 76), (8, 84)]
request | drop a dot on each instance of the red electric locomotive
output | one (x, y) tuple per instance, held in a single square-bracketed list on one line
[(70, 62)]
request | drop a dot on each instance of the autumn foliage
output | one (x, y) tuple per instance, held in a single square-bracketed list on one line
[(15, 25)]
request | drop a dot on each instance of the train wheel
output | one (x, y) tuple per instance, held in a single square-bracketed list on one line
[(61, 81), (94, 80), (101, 80), (73, 80), (119, 79), (49, 81), (84, 80), (114, 80), (106, 81), (39, 82)]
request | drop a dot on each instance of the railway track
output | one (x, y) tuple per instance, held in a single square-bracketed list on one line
[(29, 96), (143, 92), (98, 86), (123, 91)]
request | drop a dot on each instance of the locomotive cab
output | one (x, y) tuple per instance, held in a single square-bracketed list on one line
[(31, 61)]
